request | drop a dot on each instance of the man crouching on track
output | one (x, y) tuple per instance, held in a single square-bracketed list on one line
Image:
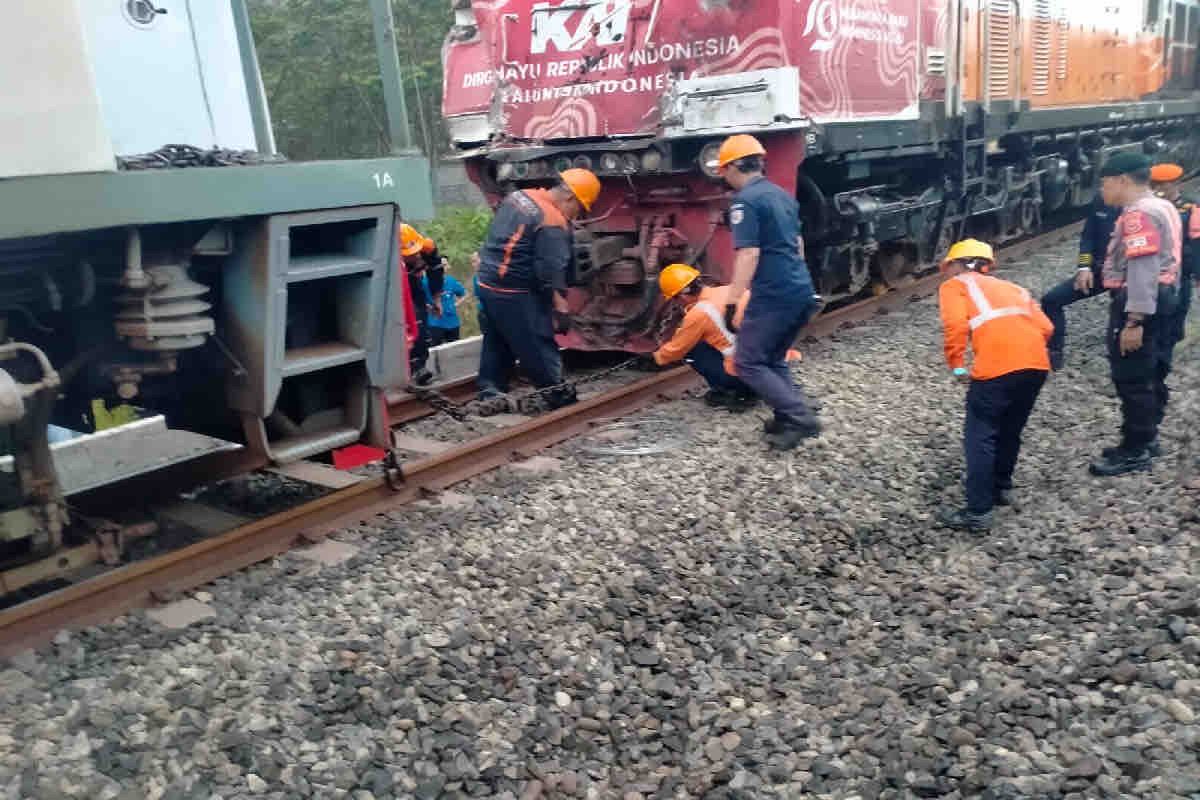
[(522, 270), (703, 338), (1008, 333), (1141, 273), (766, 236)]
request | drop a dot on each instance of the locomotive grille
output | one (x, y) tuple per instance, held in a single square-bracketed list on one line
[(1043, 29), (935, 61), (1064, 36), (999, 48)]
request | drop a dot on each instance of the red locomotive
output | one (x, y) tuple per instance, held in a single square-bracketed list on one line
[(899, 124)]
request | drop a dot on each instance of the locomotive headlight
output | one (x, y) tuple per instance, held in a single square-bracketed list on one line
[(521, 170), (709, 155), (651, 160), (582, 162), (562, 164), (504, 172), (537, 169), (629, 164), (610, 162)]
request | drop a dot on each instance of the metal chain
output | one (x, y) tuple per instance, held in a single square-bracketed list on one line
[(528, 403), (175, 156)]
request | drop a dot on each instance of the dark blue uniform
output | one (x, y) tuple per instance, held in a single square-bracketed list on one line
[(781, 297), (433, 275), (1093, 246), (523, 260), (1189, 270)]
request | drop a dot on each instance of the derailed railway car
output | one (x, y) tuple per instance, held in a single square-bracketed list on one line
[(161, 303), (898, 124)]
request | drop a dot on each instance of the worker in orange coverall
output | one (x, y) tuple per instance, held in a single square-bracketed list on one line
[(1008, 333), (703, 339)]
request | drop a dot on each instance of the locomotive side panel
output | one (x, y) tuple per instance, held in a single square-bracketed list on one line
[(1060, 52)]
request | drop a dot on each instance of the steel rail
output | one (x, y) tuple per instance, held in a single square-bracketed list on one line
[(113, 593), (136, 585)]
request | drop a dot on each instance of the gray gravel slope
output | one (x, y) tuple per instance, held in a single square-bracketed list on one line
[(713, 622)]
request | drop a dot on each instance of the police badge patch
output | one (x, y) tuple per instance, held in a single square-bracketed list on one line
[(736, 215)]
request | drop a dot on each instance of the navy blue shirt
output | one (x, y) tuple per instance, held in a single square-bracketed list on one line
[(764, 216), (1097, 230), (528, 245)]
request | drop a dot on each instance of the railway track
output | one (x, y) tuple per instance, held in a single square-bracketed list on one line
[(164, 577)]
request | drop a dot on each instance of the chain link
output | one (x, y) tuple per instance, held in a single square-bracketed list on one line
[(528, 403), (175, 156)]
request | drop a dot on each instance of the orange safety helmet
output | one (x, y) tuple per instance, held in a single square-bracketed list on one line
[(583, 183), (735, 148), (1165, 173), (674, 278), (428, 245), (411, 242)]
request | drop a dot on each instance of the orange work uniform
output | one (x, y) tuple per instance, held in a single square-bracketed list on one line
[(704, 322), (1008, 333), (1006, 329)]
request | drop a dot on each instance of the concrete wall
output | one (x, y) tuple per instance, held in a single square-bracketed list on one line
[(453, 188)]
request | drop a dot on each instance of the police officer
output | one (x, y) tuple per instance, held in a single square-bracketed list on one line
[(766, 237), (1141, 273), (1164, 181), (522, 273), (1093, 244)]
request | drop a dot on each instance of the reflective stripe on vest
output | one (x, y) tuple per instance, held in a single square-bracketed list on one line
[(986, 312), (718, 319)]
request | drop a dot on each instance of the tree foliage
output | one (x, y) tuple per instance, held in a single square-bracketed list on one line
[(322, 78)]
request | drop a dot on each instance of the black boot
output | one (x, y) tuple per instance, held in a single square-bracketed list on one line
[(736, 402), (1154, 449), (965, 520), (422, 377), (791, 432), (1121, 462)]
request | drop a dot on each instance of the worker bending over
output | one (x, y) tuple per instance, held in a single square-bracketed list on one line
[(1087, 281), (703, 338), (1007, 332), (766, 237), (424, 269), (1164, 182), (1141, 273), (522, 275)]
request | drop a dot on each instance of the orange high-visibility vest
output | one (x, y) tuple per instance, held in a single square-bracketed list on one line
[(1006, 329)]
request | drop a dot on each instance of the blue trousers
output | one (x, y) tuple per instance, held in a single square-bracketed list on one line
[(1054, 303), (708, 361), (761, 359), (997, 411), (517, 327)]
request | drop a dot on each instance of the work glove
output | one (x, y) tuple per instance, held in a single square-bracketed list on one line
[(562, 321), (730, 313), (646, 363)]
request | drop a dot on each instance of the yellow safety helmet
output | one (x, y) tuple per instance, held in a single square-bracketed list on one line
[(971, 249), (674, 278), (411, 241)]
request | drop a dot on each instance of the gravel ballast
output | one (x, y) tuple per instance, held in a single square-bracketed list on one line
[(717, 621)]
